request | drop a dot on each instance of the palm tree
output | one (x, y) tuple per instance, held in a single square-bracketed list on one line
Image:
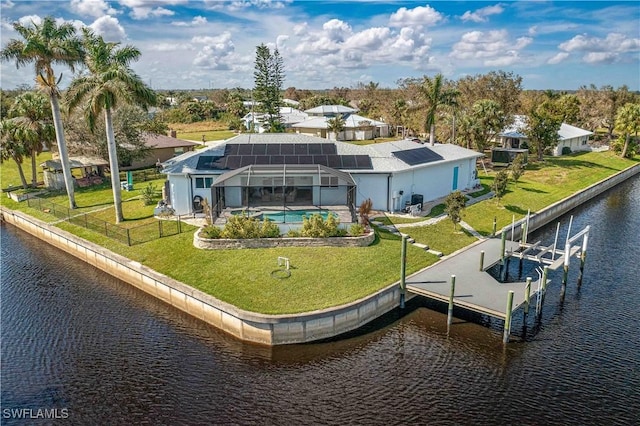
[(435, 95), (44, 45), (336, 125), (628, 121), (110, 81), (33, 116), (12, 147)]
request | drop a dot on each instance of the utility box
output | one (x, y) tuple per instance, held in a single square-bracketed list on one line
[(417, 199)]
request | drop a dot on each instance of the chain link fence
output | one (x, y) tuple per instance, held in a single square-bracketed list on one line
[(130, 236)]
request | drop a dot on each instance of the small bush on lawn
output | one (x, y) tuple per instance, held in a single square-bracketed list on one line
[(356, 230), (316, 227), (293, 233), (149, 193)]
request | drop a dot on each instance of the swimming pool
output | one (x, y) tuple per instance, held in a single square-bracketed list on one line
[(292, 216)]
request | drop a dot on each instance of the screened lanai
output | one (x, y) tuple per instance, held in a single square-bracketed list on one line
[(283, 187)]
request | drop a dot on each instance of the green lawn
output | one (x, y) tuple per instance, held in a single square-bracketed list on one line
[(243, 277), (542, 185), (209, 135)]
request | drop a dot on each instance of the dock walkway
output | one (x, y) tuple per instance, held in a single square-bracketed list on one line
[(474, 289)]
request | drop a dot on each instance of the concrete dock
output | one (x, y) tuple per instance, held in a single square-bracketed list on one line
[(474, 289)]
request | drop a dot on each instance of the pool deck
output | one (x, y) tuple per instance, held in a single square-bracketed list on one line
[(474, 289), (344, 215)]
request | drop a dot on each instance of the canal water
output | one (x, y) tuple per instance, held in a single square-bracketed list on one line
[(94, 350)]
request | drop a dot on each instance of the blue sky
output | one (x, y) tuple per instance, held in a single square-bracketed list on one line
[(211, 44)]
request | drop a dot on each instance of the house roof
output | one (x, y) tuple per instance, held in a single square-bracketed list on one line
[(154, 140), (567, 131), (76, 163), (383, 159), (351, 121), (331, 110)]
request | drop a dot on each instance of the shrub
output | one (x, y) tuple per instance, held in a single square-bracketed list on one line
[(566, 150), (212, 232), (317, 227), (454, 205), (242, 226), (293, 233), (149, 193), (356, 229)]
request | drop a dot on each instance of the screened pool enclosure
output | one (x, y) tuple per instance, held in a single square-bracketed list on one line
[(282, 188)]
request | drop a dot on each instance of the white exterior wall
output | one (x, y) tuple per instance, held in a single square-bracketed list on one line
[(331, 196), (431, 182), (372, 186), (179, 189), (576, 144)]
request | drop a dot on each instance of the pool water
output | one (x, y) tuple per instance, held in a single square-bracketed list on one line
[(293, 215)]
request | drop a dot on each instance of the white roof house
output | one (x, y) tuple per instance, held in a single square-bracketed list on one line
[(274, 169), (574, 138), (288, 116), (356, 127)]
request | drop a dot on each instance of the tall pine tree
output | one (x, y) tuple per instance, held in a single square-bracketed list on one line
[(269, 77)]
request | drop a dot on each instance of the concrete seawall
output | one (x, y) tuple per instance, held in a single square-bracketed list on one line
[(555, 210), (249, 326)]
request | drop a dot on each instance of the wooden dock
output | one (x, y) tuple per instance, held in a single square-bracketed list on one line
[(474, 289)]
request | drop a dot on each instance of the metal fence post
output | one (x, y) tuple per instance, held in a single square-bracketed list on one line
[(160, 228), (128, 238)]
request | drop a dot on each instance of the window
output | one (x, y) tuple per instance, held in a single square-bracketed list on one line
[(330, 181), (204, 182), (178, 151)]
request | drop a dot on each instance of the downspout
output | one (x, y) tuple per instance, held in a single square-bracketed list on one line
[(190, 195), (389, 191)]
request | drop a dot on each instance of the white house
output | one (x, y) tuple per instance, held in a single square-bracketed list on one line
[(356, 127), (284, 169), (288, 117), (574, 138)]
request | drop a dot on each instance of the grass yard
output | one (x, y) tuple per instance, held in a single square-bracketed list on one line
[(243, 277), (542, 185), (210, 135)]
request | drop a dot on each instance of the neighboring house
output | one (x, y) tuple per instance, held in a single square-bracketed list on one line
[(574, 138), (162, 149), (288, 117), (291, 169), (356, 127)]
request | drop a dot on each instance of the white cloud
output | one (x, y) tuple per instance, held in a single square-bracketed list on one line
[(7, 4), (493, 47), (600, 57), (558, 58), (614, 42), (421, 15), (481, 15), (244, 4), (109, 28), (170, 47), (216, 52), (143, 9), (196, 21), (94, 8), (29, 20)]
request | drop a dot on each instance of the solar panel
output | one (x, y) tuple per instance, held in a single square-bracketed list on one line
[(245, 149), (233, 162), (290, 159), (363, 162), (247, 160), (259, 149), (305, 159), (417, 156), (277, 159), (231, 149), (301, 149), (287, 149), (315, 148), (334, 161), (273, 149), (349, 162), (321, 159), (206, 162), (329, 149), (263, 159)]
